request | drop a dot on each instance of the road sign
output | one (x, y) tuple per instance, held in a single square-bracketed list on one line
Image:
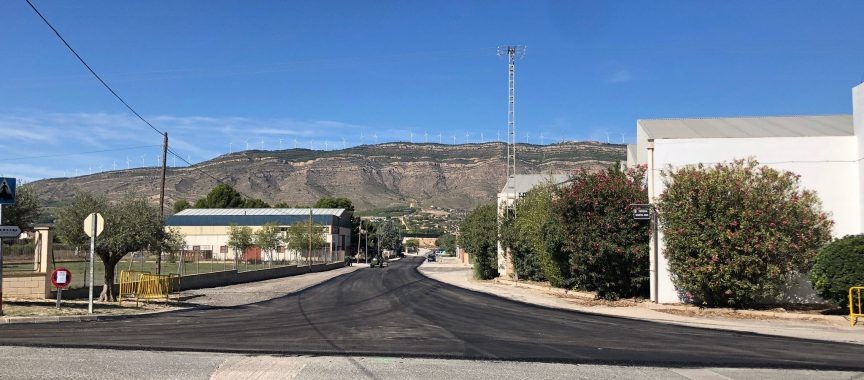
[(642, 212), (88, 224), (10, 232), (7, 191), (61, 278)]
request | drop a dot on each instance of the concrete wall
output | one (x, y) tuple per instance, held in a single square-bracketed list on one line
[(26, 285), (827, 165)]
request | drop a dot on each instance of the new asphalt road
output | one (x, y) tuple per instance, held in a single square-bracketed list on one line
[(396, 311)]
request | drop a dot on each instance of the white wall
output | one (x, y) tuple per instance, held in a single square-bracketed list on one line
[(858, 121), (827, 165)]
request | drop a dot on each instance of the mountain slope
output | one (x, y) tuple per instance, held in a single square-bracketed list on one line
[(372, 176)]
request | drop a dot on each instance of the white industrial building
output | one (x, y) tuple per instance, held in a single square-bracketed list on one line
[(826, 151), (206, 230)]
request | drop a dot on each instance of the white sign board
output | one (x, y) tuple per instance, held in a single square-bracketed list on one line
[(61, 277), (10, 232), (88, 224)]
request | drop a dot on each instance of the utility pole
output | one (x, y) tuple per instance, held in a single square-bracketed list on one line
[(309, 255), (162, 197), (513, 53)]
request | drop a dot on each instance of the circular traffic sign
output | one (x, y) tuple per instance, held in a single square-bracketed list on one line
[(61, 278)]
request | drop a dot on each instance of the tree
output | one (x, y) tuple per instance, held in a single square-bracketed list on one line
[(69, 220), (255, 203), (737, 233), (181, 205), (479, 237), (297, 237), (222, 196), (838, 267), (25, 211), (131, 225), (447, 242), (268, 239), (389, 235), (607, 249), (173, 243), (282, 204), (239, 239), (533, 236), (412, 245)]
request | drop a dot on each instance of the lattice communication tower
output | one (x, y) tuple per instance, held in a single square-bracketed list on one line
[(513, 52)]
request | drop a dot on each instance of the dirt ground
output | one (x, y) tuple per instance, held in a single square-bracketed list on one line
[(46, 308)]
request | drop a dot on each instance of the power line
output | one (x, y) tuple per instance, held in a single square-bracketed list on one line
[(91, 69)]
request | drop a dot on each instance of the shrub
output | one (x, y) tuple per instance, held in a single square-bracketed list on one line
[(533, 236), (736, 233), (608, 250), (837, 267), (479, 236)]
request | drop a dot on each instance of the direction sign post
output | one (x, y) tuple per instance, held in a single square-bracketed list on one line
[(93, 226), (647, 211)]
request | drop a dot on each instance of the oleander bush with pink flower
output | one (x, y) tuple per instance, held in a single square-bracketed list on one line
[(607, 249), (737, 233)]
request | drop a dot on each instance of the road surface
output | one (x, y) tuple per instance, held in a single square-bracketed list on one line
[(396, 311)]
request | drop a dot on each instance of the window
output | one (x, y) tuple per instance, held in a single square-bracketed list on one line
[(223, 249)]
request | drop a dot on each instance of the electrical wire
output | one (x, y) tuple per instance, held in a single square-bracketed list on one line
[(111, 90)]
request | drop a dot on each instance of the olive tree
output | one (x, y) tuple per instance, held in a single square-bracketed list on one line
[(26, 209), (131, 225)]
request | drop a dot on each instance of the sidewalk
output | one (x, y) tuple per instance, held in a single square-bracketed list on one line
[(223, 296), (820, 327)]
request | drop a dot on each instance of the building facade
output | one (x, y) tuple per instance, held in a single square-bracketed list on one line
[(207, 229), (826, 151)]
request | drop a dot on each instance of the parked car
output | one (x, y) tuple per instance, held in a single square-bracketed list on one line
[(431, 257)]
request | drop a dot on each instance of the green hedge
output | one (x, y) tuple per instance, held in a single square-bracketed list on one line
[(839, 266)]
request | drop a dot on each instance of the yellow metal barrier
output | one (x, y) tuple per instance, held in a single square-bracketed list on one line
[(153, 286), (855, 295), (129, 280)]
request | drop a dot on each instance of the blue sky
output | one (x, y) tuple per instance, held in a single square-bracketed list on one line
[(220, 74)]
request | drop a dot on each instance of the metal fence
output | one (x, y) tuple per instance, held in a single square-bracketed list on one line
[(19, 257)]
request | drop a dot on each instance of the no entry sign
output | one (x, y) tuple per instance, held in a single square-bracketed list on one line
[(61, 278)]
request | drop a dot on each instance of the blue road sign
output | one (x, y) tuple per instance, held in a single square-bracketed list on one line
[(7, 191)]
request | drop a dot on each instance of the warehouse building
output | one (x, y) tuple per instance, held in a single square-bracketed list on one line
[(826, 151), (206, 230)]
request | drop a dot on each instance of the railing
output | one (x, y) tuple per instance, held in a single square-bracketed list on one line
[(855, 300), (129, 281), (144, 286)]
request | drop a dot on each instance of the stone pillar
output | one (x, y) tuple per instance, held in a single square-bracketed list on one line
[(44, 250)]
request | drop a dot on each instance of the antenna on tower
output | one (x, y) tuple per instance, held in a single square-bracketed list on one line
[(425, 137), (280, 144), (466, 137), (513, 53), (362, 141), (262, 143), (439, 137), (411, 136), (376, 138), (295, 143), (541, 138), (343, 143)]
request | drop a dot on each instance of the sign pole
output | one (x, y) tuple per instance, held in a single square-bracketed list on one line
[(92, 249), (59, 292), (656, 253)]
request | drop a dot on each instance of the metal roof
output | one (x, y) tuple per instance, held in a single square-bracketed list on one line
[(259, 211), (258, 217), (522, 183), (748, 127)]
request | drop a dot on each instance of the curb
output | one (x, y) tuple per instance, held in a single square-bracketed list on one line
[(77, 318), (747, 313), (701, 312)]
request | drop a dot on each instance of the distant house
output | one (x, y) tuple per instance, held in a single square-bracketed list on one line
[(206, 230), (515, 188), (826, 151)]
